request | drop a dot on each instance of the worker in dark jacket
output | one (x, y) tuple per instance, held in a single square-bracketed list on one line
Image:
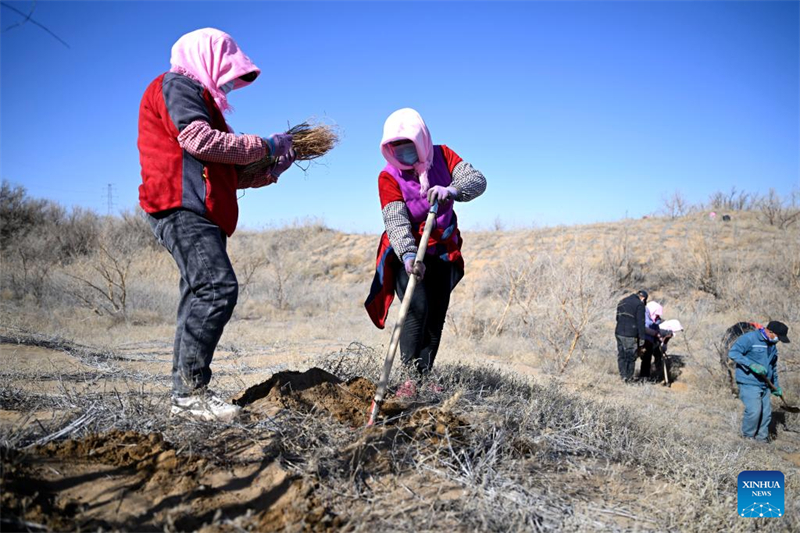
[(630, 332), (756, 358)]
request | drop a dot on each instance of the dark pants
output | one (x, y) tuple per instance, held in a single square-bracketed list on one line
[(652, 352), (208, 293), (422, 330), (626, 356)]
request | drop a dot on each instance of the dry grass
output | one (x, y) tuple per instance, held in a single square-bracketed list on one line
[(310, 140), (545, 437), (492, 452)]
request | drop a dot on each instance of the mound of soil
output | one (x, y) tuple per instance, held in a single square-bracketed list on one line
[(116, 448), (317, 390), (131, 481), (135, 482)]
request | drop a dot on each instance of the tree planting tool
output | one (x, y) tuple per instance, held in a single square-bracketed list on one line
[(786, 406), (401, 317)]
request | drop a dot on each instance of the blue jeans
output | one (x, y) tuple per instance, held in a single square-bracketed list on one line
[(757, 411), (208, 293)]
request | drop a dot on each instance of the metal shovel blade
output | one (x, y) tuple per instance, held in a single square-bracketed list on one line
[(790, 408), (786, 406)]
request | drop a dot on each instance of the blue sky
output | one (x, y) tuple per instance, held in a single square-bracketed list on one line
[(576, 112)]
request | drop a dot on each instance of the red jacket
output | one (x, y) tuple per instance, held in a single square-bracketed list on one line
[(171, 177)]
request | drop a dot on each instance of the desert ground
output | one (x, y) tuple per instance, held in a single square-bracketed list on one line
[(532, 429)]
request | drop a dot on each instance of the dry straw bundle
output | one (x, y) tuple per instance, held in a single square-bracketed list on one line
[(310, 140)]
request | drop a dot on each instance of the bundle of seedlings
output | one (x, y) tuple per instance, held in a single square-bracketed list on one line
[(310, 140)]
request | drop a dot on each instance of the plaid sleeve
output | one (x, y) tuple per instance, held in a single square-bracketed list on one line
[(208, 144), (398, 228), (254, 182), (469, 182)]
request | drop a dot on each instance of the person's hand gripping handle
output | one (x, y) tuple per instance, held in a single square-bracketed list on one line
[(380, 393)]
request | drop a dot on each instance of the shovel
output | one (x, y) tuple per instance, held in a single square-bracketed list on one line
[(664, 360), (786, 406), (401, 318)]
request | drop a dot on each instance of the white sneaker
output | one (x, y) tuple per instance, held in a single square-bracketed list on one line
[(205, 406)]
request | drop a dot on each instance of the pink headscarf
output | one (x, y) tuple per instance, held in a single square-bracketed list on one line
[(408, 124), (655, 310), (213, 58)]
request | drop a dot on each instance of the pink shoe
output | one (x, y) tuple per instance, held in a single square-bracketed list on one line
[(407, 390)]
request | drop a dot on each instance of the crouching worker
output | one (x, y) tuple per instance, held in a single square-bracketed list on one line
[(188, 156), (655, 343), (417, 174), (756, 357)]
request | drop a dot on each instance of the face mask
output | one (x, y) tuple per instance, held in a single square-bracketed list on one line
[(766, 337), (228, 87), (406, 153)]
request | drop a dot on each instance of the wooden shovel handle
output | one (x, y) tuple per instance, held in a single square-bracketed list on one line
[(401, 318)]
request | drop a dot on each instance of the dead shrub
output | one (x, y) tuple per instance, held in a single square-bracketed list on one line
[(620, 263), (777, 211), (100, 281), (733, 200), (675, 205), (573, 302)]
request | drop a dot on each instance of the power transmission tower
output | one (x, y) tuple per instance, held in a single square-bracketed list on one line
[(110, 199)]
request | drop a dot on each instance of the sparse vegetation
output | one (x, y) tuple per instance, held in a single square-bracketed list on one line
[(733, 200), (532, 430), (675, 205), (779, 212)]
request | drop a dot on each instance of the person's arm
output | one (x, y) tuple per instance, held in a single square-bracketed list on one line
[(774, 370), (254, 182), (640, 321), (650, 326), (398, 228), (468, 182), (188, 111), (396, 219), (738, 353), (214, 146)]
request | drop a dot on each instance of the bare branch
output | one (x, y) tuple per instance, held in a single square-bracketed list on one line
[(28, 18)]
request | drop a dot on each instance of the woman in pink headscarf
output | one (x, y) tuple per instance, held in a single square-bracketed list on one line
[(189, 157), (655, 342), (418, 173)]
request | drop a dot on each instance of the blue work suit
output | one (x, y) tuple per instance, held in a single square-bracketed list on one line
[(753, 348)]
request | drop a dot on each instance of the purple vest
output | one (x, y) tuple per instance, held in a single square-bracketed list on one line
[(417, 205)]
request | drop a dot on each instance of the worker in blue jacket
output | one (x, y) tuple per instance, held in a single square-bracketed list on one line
[(756, 358)]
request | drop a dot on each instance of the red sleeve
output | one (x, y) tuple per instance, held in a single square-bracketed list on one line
[(451, 158), (389, 189)]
